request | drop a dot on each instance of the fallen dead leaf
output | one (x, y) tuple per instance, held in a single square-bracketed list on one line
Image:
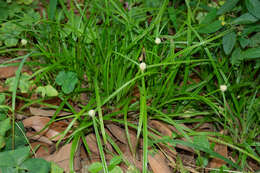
[(158, 163), (46, 113), (9, 71), (120, 134), (42, 149), (52, 132), (37, 123), (161, 127), (62, 158), (39, 138), (92, 143), (222, 150), (129, 157), (6, 72)]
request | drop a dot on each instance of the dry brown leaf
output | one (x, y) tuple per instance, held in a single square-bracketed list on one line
[(9, 71), (6, 72), (158, 163), (222, 150), (43, 149), (120, 134), (92, 143), (38, 123), (165, 131), (129, 157), (46, 113), (3, 89), (62, 158), (39, 138), (161, 127)]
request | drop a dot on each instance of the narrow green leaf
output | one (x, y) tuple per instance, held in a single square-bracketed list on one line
[(172, 16), (52, 9), (227, 7), (206, 150), (253, 7), (228, 42)]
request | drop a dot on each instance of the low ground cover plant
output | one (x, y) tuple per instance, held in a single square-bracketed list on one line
[(131, 84)]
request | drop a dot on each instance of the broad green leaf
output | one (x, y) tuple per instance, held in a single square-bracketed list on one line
[(10, 42), (210, 28), (228, 42), (210, 17), (24, 83), (248, 29), (253, 7), (251, 53), (244, 42), (50, 91), (2, 142), (114, 161), (227, 7), (67, 80), (14, 157), (246, 18), (47, 91), (201, 141), (4, 126), (20, 141), (34, 165), (8, 169), (236, 57), (2, 98), (55, 168), (116, 169), (41, 90), (255, 40), (132, 169), (95, 167)]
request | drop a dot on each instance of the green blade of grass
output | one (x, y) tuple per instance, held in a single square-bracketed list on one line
[(100, 115), (100, 146)]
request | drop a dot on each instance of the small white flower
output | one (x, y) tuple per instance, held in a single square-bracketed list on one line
[(24, 42), (91, 113), (142, 66), (157, 40), (223, 88)]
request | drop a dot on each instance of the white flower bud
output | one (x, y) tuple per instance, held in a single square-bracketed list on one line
[(157, 40), (91, 113), (24, 42), (142, 66), (223, 88)]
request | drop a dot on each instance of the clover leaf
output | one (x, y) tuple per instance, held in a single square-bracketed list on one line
[(67, 81)]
